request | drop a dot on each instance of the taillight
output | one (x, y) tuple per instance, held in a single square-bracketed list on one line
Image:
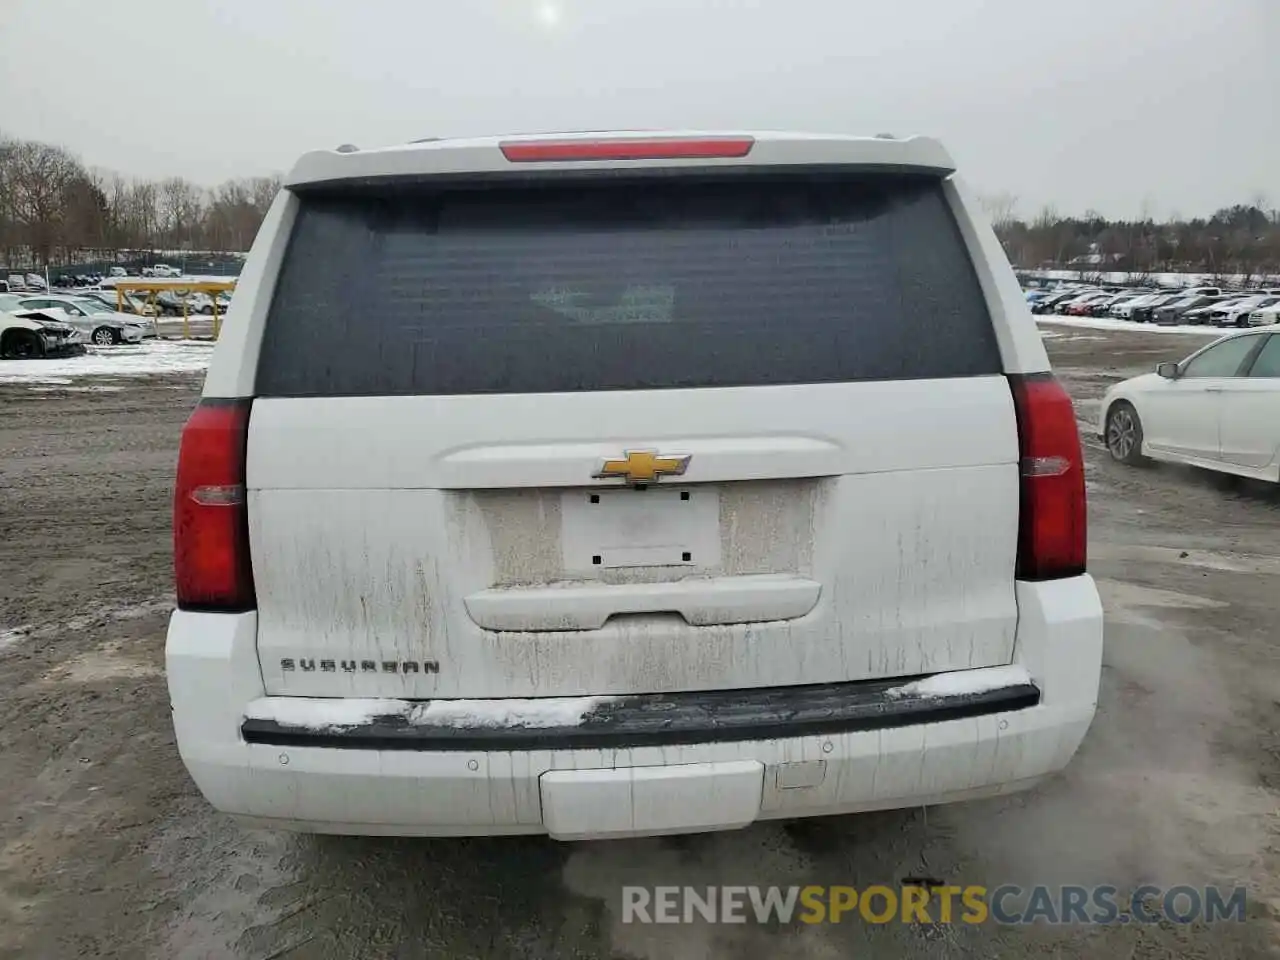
[(1052, 522), (546, 151), (210, 514)]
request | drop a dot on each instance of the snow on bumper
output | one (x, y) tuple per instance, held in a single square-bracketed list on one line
[(627, 791)]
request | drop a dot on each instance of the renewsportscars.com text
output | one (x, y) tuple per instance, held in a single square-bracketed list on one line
[(936, 904)]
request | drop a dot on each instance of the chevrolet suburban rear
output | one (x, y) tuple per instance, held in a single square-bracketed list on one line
[(615, 485)]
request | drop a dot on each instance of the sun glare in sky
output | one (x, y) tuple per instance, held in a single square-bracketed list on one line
[(549, 14)]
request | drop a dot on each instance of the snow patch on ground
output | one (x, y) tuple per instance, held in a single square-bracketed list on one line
[(1059, 335), (963, 682), (315, 713), (134, 611), (1174, 281), (148, 357), (116, 660), (1109, 323)]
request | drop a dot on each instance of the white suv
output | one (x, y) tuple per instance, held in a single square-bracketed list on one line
[(620, 485)]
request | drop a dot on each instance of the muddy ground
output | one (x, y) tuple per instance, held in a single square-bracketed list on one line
[(107, 850)]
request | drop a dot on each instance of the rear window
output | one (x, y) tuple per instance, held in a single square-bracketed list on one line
[(624, 285)]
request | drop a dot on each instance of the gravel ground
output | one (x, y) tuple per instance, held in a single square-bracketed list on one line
[(107, 850)]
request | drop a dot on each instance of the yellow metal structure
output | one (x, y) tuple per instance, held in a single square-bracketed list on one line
[(154, 287)]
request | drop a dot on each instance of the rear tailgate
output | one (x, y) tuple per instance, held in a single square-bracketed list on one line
[(447, 370)]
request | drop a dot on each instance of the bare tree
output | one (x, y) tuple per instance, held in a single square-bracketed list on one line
[(40, 177), (180, 203), (1000, 208), (8, 218), (142, 212), (85, 216), (262, 191)]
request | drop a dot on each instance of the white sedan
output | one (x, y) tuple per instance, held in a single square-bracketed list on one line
[(1218, 409)]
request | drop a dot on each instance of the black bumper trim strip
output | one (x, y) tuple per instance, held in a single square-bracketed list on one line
[(656, 720)]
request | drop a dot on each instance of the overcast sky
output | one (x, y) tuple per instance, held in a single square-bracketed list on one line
[(1107, 104)]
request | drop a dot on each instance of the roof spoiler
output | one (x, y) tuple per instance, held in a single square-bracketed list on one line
[(584, 153)]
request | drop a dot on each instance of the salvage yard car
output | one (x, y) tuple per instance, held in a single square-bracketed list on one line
[(745, 492), (1266, 316), (1172, 312), (1218, 409), (123, 303), (1237, 312), (100, 324), (31, 334)]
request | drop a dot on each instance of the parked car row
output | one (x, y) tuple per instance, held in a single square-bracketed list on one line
[(78, 280), (21, 283), (168, 303), (35, 283), (1195, 305)]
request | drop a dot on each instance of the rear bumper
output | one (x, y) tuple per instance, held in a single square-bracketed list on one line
[(761, 755), (647, 720)]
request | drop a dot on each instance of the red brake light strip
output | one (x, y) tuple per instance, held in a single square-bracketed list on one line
[(546, 151)]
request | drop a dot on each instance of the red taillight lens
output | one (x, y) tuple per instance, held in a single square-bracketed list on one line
[(1052, 523), (546, 151), (210, 514)]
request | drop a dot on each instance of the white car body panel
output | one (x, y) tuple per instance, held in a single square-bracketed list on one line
[(923, 452), (1249, 431), (837, 532), (23, 320), (1021, 347), (13, 321), (1179, 418)]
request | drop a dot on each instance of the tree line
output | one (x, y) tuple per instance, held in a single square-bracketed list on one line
[(1241, 240), (54, 210)]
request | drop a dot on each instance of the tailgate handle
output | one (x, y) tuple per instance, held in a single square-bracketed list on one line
[(588, 605)]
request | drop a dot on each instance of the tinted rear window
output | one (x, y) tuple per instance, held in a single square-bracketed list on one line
[(613, 285)]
